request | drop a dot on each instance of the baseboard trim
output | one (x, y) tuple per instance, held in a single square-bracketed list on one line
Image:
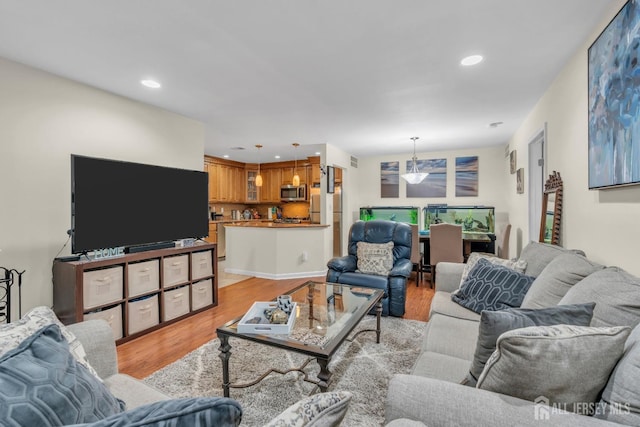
[(272, 276)]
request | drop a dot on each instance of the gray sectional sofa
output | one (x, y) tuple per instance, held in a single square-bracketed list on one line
[(434, 394)]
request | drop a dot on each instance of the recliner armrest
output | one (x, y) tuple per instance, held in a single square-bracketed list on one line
[(343, 264), (403, 267)]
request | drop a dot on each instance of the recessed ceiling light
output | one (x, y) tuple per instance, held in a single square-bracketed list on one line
[(318, 153), (471, 60), (226, 156), (276, 156), (150, 83)]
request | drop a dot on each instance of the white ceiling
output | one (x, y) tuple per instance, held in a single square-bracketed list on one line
[(363, 75)]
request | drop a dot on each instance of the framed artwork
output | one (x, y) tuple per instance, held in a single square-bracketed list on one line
[(513, 164), (520, 181), (435, 184), (614, 89), (331, 180), (389, 179), (467, 176)]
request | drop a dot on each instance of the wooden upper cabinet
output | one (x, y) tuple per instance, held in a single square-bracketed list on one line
[(271, 182), (214, 179), (315, 174), (287, 175), (251, 195)]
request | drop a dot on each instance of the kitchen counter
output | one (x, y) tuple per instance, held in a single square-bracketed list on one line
[(276, 250), (272, 224)]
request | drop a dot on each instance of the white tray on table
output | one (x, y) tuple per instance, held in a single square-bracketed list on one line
[(266, 328)]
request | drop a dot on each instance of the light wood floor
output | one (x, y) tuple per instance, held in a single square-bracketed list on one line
[(145, 355)]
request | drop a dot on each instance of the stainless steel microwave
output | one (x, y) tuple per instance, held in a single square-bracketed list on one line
[(292, 193)]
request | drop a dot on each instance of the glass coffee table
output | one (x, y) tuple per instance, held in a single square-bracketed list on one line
[(326, 314)]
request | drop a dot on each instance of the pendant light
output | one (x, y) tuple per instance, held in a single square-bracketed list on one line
[(258, 177), (296, 177), (414, 176)]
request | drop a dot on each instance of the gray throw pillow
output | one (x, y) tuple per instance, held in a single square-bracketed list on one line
[(375, 258), (538, 255), (492, 287), (495, 323), (319, 410), (616, 294), (566, 365), (620, 402), (190, 412), (557, 278), (49, 387)]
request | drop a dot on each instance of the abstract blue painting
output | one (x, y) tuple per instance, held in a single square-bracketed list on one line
[(389, 179), (466, 176), (614, 102), (435, 184)]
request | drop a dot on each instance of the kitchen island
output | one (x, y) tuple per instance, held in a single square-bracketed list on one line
[(275, 250)]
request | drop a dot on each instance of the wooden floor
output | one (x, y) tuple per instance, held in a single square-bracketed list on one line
[(145, 355)]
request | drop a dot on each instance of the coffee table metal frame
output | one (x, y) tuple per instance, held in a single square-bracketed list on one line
[(322, 354)]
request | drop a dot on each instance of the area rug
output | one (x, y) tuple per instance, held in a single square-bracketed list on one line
[(361, 366)]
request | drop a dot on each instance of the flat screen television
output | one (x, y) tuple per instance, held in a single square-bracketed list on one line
[(116, 203)]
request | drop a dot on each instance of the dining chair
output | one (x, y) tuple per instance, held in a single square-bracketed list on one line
[(502, 247), (416, 253), (445, 244)]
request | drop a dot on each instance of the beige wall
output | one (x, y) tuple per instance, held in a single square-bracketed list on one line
[(45, 118), (493, 169), (602, 223)]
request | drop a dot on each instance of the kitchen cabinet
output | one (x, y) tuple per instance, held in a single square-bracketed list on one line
[(251, 195), (213, 231), (226, 182), (138, 292), (214, 176), (271, 183), (287, 175), (315, 174)]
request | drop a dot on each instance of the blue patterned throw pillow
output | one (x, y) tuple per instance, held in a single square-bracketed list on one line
[(492, 287), (189, 412), (42, 384)]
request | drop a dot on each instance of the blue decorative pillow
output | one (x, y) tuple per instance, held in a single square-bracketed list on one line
[(492, 287), (42, 384), (193, 412)]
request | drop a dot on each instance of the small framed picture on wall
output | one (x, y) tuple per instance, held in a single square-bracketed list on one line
[(331, 180), (520, 181)]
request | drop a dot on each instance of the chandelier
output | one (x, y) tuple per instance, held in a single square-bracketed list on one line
[(414, 176)]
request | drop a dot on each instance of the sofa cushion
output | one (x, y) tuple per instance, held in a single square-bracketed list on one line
[(442, 304), (518, 265), (375, 258), (319, 410), (620, 400), (200, 411), (451, 336), (557, 278), (495, 323), (538, 255), (12, 334), (134, 392), (440, 366), (492, 287), (616, 294), (44, 385), (568, 365)]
